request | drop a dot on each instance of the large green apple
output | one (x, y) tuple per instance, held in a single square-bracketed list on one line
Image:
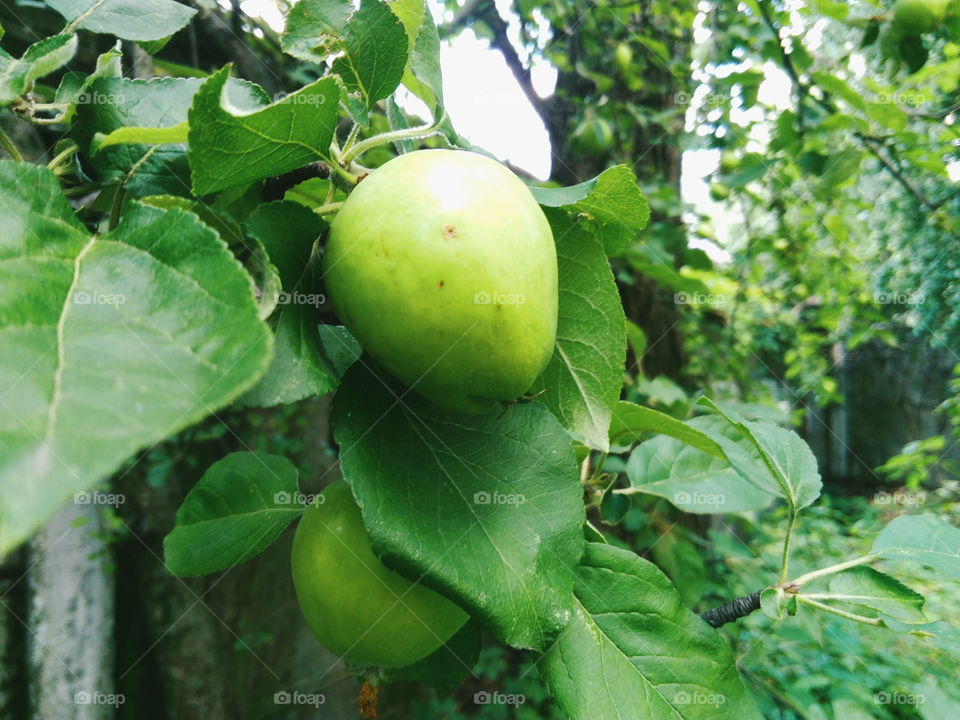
[(356, 607), (915, 17), (443, 266)]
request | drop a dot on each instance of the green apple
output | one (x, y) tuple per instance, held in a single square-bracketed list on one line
[(915, 17), (623, 56), (443, 266), (593, 135), (356, 607)]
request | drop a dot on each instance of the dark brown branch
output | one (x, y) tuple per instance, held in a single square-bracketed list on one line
[(898, 174), (274, 188), (733, 610)]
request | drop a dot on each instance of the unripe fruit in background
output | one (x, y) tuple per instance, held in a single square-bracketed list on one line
[(443, 266), (623, 56), (357, 608), (592, 136), (915, 17)]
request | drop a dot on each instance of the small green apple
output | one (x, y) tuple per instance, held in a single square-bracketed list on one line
[(915, 17), (442, 264), (594, 135), (356, 607)]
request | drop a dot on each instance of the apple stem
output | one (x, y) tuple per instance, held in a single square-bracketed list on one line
[(414, 133)]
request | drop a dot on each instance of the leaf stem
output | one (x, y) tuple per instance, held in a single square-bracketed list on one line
[(785, 560), (10, 147), (831, 570), (837, 611), (413, 133), (64, 155), (328, 208)]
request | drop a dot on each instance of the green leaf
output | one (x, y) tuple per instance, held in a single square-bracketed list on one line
[(933, 703), (927, 539), (786, 466), (42, 58), (612, 202), (239, 506), (582, 381), (300, 366), (691, 479), (941, 634), (487, 509), (873, 589), (411, 14), (111, 103), (314, 27), (444, 668), (75, 85), (423, 76), (631, 422), (127, 19), (633, 650), (375, 51), (231, 146), (837, 86), (142, 136), (115, 341), (676, 554)]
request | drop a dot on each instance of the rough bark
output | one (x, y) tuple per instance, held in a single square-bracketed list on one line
[(71, 617)]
